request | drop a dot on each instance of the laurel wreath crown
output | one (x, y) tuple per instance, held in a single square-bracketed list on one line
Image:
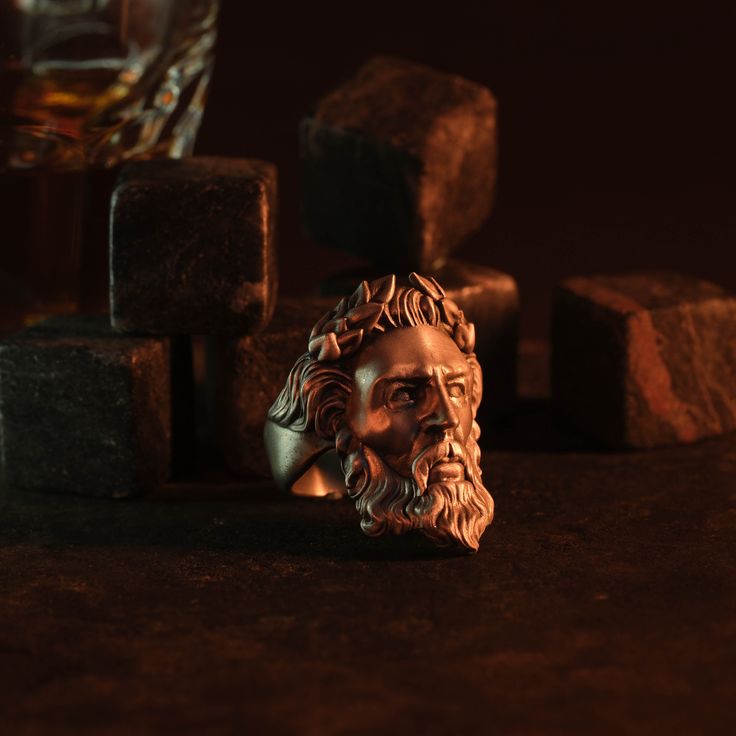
[(372, 309)]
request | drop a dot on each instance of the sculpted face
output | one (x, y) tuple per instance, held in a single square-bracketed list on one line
[(409, 449), (412, 389), (382, 408)]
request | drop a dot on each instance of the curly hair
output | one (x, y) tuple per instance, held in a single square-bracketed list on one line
[(319, 385)]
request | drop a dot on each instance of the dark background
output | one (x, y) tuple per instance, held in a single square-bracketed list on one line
[(616, 125)]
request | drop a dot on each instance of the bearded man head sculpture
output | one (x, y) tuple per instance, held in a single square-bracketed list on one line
[(382, 407)]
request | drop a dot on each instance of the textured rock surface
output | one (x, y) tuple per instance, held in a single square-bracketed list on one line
[(490, 299), (184, 418), (84, 410), (193, 246), (248, 374), (399, 163), (645, 359)]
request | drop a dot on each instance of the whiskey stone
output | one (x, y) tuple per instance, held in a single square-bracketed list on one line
[(489, 299), (184, 419), (645, 359), (192, 247), (84, 410), (249, 372), (399, 164)]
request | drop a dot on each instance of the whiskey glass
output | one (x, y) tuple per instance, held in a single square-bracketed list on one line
[(84, 86)]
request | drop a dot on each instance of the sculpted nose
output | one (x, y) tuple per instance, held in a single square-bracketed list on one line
[(442, 416)]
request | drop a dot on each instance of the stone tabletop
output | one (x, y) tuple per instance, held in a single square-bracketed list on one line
[(603, 599)]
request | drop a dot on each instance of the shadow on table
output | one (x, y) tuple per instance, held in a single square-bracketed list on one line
[(236, 519)]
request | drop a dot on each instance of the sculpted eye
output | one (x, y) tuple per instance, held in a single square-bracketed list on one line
[(403, 396), (456, 390)]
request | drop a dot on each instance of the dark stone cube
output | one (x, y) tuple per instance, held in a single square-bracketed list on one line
[(645, 359), (192, 247), (84, 410), (399, 164)]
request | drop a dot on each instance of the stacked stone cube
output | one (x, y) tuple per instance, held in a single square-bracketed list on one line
[(399, 164), (193, 247), (85, 410), (91, 405)]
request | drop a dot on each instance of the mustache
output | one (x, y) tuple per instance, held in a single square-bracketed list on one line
[(446, 450)]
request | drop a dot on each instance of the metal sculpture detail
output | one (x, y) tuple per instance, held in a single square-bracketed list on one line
[(382, 407)]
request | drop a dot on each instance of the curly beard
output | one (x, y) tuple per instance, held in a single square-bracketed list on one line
[(448, 512)]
